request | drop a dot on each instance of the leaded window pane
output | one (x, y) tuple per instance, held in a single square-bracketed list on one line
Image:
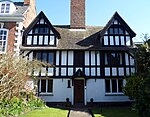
[(107, 86), (43, 85), (114, 86)]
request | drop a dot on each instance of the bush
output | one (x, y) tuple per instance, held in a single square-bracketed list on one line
[(16, 106)]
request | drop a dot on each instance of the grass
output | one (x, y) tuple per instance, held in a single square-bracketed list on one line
[(114, 112), (48, 112)]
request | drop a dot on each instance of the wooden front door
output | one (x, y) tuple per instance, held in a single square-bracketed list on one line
[(79, 91)]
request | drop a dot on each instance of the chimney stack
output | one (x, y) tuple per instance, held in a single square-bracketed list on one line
[(26, 2), (77, 14)]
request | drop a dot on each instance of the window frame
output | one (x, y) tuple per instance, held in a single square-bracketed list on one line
[(111, 87), (40, 57), (118, 59), (47, 85), (5, 8), (2, 40)]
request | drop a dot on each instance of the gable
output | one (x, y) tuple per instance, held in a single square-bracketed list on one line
[(117, 32), (7, 7), (40, 33)]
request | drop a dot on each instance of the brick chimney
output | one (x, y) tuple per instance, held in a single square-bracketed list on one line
[(26, 2), (77, 14)]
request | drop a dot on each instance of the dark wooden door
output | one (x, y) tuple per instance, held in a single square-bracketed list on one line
[(79, 91)]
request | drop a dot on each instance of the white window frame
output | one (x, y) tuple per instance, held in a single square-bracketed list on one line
[(6, 9), (113, 93), (2, 40), (48, 93)]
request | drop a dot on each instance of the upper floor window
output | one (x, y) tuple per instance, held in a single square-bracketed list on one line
[(115, 30), (113, 59), (47, 57), (5, 8), (3, 40)]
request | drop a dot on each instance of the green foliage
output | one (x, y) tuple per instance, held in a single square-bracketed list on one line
[(16, 106), (138, 86)]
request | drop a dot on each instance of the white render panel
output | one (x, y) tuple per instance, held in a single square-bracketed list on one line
[(111, 40), (57, 58), (31, 56), (64, 58), (87, 58), (114, 71), (131, 61), (127, 71), (70, 57), (92, 57), (29, 85), (132, 70), (98, 95), (98, 58), (43, 71), (70, 71), (63, 71), (128, 40), (105, 40), (126, 59), (122, 40), (107, 71), (57, 71), (36, 72), (98, 72), (60, 91), (117, 40), (121, 71), (93, 71), (52, 38), (50, 71), (87, 71), (79, 68)]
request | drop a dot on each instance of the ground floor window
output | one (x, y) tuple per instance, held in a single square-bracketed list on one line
[(45, 86), (114, 86)]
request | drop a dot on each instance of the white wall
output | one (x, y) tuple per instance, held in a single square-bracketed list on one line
[(96, 90), (60, 91)]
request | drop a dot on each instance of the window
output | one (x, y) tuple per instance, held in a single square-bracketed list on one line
[(45, 86), (78, 58), (47, 57), (113, 59), (114, 86), (3, 40), (5, 8), (41, 30), (116, 30)]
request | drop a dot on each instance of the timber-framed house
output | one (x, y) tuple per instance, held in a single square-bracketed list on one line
[(90, 62)]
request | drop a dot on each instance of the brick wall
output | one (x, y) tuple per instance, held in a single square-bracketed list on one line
[(30, 14), (77, 14), (11, 26)]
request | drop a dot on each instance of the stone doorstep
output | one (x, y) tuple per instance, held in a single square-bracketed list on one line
[(79, 113)]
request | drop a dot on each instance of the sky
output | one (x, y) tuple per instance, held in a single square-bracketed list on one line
[(136, 13)]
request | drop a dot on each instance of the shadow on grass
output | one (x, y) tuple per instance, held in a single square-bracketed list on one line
[(114, 112)]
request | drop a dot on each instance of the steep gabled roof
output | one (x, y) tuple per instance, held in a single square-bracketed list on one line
[(123, 23), (39, 16)]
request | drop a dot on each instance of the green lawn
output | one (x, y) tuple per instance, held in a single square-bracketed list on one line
[(114, 112), (48, 112)]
